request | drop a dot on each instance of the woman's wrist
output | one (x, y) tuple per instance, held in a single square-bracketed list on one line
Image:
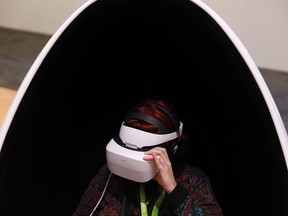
[(171, 187)]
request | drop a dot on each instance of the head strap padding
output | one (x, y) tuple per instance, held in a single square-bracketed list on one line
[(162, 129), (150, 119)]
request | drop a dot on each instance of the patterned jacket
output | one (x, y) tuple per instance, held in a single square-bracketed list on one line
[(193, 195)]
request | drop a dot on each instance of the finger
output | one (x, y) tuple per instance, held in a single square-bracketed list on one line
[(158, 161), (149, 157), (158, 150), (163, 154)]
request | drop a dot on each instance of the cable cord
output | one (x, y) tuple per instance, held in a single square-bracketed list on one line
[(104, 190)]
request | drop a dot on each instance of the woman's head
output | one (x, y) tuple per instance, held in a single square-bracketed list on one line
[(157, 116), (149, 124)]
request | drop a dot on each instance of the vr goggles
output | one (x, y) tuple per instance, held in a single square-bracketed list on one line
[(124, 153)]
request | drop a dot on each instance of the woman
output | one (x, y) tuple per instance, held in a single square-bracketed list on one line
[(176, 189)]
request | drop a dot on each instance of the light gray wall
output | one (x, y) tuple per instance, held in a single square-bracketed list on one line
[(261, 25), (39, 16)]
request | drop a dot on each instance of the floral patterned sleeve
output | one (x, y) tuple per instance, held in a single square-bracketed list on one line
[(193, 195)]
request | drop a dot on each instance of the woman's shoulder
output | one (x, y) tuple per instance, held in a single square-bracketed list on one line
[(186, 167), (191, 173), (101, 175), (104, 169)]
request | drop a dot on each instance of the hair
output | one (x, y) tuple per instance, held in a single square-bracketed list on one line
[(163, 111), (158, 109)]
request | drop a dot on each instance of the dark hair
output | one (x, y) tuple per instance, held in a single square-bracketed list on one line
[(161, 110)]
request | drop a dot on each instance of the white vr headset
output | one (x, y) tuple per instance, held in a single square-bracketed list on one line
[(124, 154)]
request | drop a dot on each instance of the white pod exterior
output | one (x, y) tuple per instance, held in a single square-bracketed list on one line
[(108, 55)]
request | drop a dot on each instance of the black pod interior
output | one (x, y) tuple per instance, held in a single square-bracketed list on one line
[(113, 54)]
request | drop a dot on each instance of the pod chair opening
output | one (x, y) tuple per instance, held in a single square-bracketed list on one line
[(113, 54)]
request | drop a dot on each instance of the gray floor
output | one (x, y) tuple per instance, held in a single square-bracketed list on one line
[(18, 50)]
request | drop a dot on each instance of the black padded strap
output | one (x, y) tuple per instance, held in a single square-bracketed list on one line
[(162, 129)]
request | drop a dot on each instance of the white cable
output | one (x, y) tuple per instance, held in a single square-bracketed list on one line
[(101, 194)]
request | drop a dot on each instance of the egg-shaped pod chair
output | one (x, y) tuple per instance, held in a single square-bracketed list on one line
[(107, 56)]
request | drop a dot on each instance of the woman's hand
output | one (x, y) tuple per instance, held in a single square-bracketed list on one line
[(165, 176)]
